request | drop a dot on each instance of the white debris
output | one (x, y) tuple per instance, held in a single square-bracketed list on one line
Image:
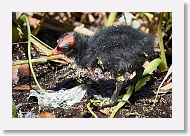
[(61, 98), (15, 77), (26, 114), (130, 20), (135, 24)]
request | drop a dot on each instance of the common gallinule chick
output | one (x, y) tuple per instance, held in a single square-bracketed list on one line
[(120, 50)]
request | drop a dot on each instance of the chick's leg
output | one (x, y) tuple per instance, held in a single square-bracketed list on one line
[(117, 91), (123, 83)]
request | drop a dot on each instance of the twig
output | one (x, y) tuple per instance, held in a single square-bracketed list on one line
[(82, 30), (24, 87), (168, 73), (19, 43)]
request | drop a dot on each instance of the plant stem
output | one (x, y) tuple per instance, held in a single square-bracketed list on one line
[(90, 110), (14, 112), (120, 104), (163, 65), (37, 29), (25, 18), (111, 18), (41, 45), (38, 60)]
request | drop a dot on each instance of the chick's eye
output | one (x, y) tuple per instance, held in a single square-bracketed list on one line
[(59, 40)]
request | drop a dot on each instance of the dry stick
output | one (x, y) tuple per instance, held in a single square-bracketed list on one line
[(168, 73), (19, 43), (24, 87), (83, 30)]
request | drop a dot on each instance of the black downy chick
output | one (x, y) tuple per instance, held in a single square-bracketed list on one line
[(121, 50)]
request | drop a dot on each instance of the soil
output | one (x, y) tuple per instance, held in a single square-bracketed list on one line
[(55, 76)]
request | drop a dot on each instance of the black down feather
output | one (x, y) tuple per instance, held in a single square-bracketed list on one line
[(120, 48)]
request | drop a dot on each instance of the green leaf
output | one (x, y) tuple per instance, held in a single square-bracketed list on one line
[(41, 45), (152, 66), (14, 112), (38, 43), (16, 15), (168, 27), (24, 18), (163, 64), (128, 94), (91, 111), (120, 104), (145, 16), (148, 70), (111, 18), (141, 83), (15, 34), (169, 23)]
